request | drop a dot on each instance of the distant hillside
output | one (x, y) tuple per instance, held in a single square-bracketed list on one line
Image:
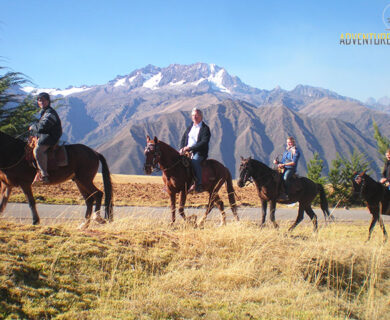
[(241, 129)]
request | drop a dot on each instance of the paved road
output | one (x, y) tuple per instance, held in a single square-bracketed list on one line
[(51, 214)]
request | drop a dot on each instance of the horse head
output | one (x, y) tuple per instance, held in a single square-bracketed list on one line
[(246, 172), (152, 155)]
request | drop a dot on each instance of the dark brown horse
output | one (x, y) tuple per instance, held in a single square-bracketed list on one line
[(267, 183), (178, 177), (377, 197), (83, 164)]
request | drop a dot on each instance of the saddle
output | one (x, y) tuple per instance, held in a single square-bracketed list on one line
[(57, 156), (295, 185), (208, 171)]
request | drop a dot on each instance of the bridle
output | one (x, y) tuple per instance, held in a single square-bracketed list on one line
[(361, 182), (247, 177), (154, 149)]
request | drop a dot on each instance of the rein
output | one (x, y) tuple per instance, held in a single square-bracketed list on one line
[(171, 167)]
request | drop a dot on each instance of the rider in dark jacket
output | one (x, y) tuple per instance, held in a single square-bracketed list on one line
[(386, 170), (196, 139), (48, 130)]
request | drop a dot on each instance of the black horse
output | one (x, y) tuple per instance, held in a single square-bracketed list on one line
[(267, 183), (377, 197)]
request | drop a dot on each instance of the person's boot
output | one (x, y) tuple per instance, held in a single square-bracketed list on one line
[(283, 196), (199, 188)]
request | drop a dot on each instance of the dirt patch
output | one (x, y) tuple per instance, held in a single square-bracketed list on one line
[(136, 193)]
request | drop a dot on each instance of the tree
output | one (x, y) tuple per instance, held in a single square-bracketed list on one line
[(382, 142), (341, 175), (314, 169), (16, 112)]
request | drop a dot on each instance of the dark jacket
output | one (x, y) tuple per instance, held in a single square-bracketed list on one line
[(386, 170), (48, 129), (202, 144)]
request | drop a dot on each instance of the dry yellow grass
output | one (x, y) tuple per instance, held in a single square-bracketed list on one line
[(141, 269)]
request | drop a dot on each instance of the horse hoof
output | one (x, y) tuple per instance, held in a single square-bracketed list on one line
[(83, 226), (99, 219)]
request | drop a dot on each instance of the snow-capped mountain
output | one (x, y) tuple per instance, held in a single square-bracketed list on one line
[(155, 100)]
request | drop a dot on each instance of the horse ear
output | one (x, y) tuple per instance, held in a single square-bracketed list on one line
[(242, 158), (147, 138), (155, 139)]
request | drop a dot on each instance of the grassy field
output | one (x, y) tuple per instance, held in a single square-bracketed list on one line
[(143, 269), (133, 269)]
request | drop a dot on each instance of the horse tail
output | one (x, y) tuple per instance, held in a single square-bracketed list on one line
[(231, 193), (323, 201), (109, 212)]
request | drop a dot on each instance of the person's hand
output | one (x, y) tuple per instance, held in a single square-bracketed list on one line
[(383, 180), (276, 161), (281, 165)]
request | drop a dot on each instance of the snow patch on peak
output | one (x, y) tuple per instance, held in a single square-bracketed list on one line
[(120, 82), (217, 80), (153, 82), (56, 92)]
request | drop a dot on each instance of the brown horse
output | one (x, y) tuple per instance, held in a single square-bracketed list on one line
[(377, 197), (267, 183), (83, 164), (178, 177)]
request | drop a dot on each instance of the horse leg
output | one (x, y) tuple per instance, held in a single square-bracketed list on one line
[(89, 199), (383, 229), (312, 216), (272, 214), (5, 193), (212, 197), (299, 217), (264, 204), (182, 202), (374, 209), (221, 208), (384, 209), (26, 188), (90, 192), (173, 208)]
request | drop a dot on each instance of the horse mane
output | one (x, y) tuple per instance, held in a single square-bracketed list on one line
[(9, 141), (263, 166), (168, 147)]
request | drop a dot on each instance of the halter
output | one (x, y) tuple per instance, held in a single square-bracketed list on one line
[(247, 177), (153, 148), (361, 183)]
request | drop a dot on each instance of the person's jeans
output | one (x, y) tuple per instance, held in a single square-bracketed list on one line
[(288, 173), (40, 154), (196, 164)]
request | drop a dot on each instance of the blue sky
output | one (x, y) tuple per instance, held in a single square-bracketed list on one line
[(265, 43)]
